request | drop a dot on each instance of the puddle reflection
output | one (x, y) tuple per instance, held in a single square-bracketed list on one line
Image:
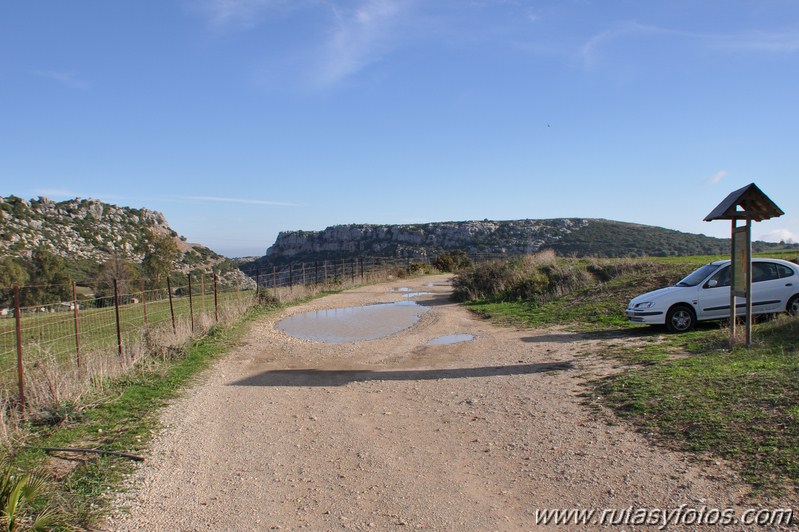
[(451, 339), (353, 324)]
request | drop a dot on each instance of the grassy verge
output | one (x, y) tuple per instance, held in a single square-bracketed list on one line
[(124, 419), (689, 392), (740, 404)]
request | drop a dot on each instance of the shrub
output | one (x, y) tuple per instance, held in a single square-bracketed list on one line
[(453, 261), (540, 277)]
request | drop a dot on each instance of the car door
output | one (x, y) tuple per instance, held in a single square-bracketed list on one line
[(713, 297), (769, 291)]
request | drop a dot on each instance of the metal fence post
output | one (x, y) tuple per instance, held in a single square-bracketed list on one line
[(144, 302), (116, 311), (202, 291), (171, 305), (191, 304), (20, 369), (75, 317), (216, 300)]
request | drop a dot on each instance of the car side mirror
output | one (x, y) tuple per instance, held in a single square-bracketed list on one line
[(711, 283)]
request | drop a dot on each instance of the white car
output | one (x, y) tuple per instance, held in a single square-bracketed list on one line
[(705, 295)]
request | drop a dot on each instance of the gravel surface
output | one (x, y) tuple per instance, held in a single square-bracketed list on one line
[(396, 434)]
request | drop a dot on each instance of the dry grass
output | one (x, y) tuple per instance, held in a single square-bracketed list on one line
[(52, 381)]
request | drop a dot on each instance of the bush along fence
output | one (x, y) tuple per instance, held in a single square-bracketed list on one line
[(66, 348)]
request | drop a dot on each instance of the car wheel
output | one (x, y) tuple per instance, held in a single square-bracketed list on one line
[(793, 306), (680, 318)]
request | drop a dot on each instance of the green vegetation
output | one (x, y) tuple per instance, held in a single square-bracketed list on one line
[(689, 392), (52, 334), (125, 423), (607, 238), (541, 289), (740, 404), (452, 261), (19, 495)]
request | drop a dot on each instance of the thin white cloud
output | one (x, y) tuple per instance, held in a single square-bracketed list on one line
[(244, 201), (759, 42), (235, 13), (775, 42), (717, 177), (361, 37), (67, 79), (780, 235)]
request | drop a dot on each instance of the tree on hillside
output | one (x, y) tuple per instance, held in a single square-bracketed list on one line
[(12, 273), (49, 279), (159, 259), (114, 269)]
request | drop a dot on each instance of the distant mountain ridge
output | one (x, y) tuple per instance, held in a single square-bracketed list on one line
[(567, 236)]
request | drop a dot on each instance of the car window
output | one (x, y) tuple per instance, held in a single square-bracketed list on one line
[(698, 275), (722, 277), (784, 271), (764, 271)]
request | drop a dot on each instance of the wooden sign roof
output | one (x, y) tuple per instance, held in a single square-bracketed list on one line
[(747, 203)]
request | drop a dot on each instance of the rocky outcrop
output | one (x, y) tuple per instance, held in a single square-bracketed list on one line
[(88, 229), (422, 240)]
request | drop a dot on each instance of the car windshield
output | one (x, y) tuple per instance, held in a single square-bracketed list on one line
[(699, 275)]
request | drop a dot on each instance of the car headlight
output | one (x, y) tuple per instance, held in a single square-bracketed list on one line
[(642, 306)]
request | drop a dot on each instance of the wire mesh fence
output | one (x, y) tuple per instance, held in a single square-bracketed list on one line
[(61, 350)]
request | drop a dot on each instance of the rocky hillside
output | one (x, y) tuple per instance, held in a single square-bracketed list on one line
[(567, 236), (419, 240), (90, 231)]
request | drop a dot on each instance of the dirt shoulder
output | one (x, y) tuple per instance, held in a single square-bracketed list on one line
[(396, 433)]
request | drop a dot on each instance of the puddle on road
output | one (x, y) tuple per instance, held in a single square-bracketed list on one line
[(451, 339), (401, 289), (416, 294), (353, 324)]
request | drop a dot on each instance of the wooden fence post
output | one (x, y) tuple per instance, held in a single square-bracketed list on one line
[(171, 306), (75, 317), (20, 369)]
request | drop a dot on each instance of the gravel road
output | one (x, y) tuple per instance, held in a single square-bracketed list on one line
[(396, 434)]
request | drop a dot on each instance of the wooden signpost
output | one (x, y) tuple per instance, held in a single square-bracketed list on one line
[(747, 204)]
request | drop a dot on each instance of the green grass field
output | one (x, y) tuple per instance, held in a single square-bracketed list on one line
[(53, 334)]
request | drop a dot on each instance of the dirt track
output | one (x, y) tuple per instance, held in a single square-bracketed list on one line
[(398, 434)]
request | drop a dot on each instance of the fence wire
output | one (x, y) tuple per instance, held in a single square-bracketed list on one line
[(43, 345)]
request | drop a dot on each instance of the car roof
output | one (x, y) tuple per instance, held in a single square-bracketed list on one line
[(759, 259)]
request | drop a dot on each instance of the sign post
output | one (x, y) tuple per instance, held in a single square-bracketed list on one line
[(741, 277), (749, 204)]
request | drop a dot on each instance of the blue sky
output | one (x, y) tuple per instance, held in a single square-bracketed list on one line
[(241, 118)]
